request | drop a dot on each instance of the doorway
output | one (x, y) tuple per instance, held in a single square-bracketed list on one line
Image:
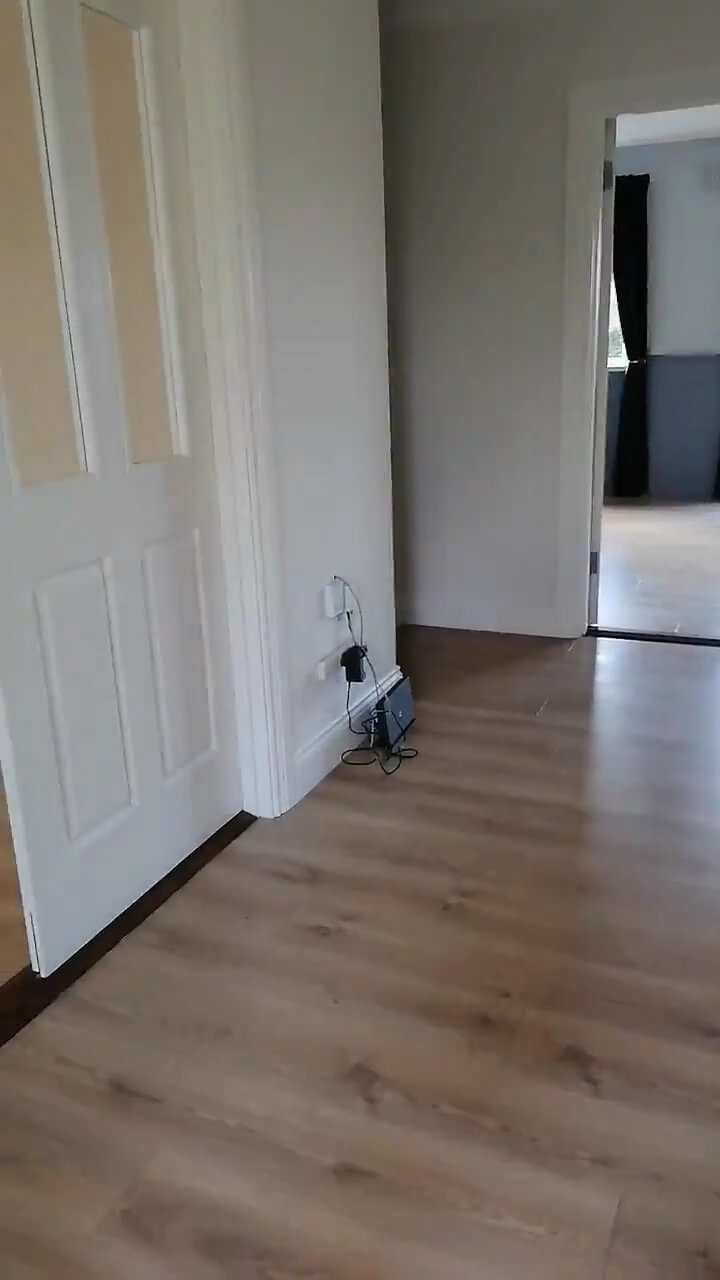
[(657, 490), (593, 111)]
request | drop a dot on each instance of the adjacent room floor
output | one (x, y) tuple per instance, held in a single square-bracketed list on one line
[(13, 943), (462, 1022), (660, 569)]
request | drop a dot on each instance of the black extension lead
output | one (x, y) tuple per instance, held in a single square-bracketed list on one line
[(374, 751)]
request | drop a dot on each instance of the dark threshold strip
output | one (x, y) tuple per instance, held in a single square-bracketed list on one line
[(658, 637), (26, 995)]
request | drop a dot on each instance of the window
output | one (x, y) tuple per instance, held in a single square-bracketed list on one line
[(617, 355)]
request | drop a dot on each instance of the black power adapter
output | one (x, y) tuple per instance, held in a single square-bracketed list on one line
[(384, 727), (353, 663)]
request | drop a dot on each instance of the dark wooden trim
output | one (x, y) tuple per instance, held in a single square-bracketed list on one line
[(26, 995), (660, 637)]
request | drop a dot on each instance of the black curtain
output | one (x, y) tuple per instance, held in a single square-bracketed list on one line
[(630, 266)]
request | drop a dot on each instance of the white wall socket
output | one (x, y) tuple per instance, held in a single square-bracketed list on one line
[(334, 599), (328, 666)]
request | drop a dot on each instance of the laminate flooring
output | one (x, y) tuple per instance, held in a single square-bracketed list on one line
[(13, 943), (660, 569), (458, 1024)]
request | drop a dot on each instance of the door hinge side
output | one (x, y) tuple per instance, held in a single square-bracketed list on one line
[(608, 175), (594, 563)]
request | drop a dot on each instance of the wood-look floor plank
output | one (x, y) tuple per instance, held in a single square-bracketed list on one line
[(659, 567), (295, 1213), (461, 1022), (13, 942), (665, 1233)]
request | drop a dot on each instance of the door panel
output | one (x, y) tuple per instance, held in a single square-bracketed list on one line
[(177, 633), (78, 657), (114, 651), (42, 411), (115, 75)]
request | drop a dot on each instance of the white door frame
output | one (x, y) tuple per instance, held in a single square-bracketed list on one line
[(604, 284), (591, 106), (214, 67)]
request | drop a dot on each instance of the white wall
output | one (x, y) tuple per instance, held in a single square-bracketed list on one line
[(684, 243), (476, 117), (318, 163)]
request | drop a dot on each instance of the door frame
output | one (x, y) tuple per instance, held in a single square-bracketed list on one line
[(591, 106), (604, 283), (216, 78)]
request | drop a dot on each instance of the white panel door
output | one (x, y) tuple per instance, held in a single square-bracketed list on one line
[(120, 754)]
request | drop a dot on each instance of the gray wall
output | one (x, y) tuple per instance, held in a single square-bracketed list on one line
[(318, 166), (476, 143), (683, 317), (684, 426), (683, 243), (616, 378)]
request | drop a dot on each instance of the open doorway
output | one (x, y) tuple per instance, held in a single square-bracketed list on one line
[(659, 562)]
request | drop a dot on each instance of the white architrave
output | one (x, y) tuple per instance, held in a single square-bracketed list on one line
[(214, 67), (591, 105)]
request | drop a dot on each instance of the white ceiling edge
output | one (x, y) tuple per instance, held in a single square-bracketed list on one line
[(411, 12), (668, 126)]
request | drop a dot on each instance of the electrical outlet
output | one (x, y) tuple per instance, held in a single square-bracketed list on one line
[(328, 667), (334, 599)]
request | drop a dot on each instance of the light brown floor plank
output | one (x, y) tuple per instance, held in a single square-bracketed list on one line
[(13, 942), (660, 568), (461, 1022), (664, 1233)]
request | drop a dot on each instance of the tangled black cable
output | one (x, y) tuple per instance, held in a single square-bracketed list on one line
[(373, 754)]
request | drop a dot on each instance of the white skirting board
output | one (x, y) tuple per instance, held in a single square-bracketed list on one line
[(321, 755)]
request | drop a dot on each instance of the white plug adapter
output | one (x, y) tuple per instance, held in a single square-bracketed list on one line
[(334, 599)]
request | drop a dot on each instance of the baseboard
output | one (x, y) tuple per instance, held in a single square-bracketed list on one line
[(317, 758), (552, 625)]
